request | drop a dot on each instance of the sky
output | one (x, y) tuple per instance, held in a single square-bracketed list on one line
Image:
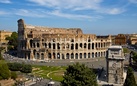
[(101, 17)]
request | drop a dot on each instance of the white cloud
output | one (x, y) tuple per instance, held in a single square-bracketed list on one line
[(133, 1), (114, 11), (5, 1), (40, 13), (69, 4), (3, 13), (74, 16), (29, 13), (79, 5)]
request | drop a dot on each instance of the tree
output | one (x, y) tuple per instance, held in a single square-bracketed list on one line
[(4, 71), (13, 41), (26, 68), (79, 75), (13, 75), (130, 79)]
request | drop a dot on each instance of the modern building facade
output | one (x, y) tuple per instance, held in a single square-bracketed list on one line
[(115, 65), (44, 43)]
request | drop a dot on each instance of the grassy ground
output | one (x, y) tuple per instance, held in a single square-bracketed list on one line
[(54, 72)]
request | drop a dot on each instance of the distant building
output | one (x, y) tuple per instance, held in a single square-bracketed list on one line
[(120, 39), (3, 35), (115, 65), (44, 43), (133, 39)]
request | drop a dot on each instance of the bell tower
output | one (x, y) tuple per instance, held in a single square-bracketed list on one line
[(115, 65)]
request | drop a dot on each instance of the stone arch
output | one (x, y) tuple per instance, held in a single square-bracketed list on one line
[(92, 54), (85, 55), (76, 55), (63, 57), (54, 46), (85, 45), (76, 46), (34, 53), (80, 45), (42, 56), (88, 45), (80, 55), (31, 43), (72, 55), (37, 44), (92, 45), (88, 55), (45, 45), (96, 45), (99, 45), (49, 55), (89, 40), (58, 45), (54, 55), (58, 55), (38, 56), (72, 46), (96, 54), (72, 40), (67, 56), (49, 45)]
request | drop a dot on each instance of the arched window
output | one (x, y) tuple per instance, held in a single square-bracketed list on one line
[(37, 44), (31, 43), (92, 45), (85, 55), (88, 45), (54, 46), (38, 56), (42, 56), (76, 55), (72, 46), (76, 46), (67, 56), (88, 55), (72, 56), (49, 45), (85, 45)]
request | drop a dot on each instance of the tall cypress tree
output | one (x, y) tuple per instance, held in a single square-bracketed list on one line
[(130, 79)]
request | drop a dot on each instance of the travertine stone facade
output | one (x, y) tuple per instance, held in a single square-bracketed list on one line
[(44, 43), (3, 35), (115, 65)]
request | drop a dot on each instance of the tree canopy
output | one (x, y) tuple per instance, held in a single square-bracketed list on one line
[(130, 79), (13, 41), (79, 75), (4, 71)]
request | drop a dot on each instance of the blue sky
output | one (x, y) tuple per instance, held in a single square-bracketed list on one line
[(99, 17)]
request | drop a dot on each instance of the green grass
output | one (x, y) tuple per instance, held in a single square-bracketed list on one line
[(56, 72)]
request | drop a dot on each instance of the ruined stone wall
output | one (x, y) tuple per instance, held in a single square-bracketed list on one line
[(43, 43)]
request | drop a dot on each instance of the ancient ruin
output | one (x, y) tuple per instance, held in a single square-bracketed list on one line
[(44, 43)]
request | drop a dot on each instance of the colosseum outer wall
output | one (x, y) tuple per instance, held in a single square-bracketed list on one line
[(44, 43)]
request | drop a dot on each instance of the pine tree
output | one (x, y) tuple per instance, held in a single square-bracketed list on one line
[(130, 79), (79, 75)]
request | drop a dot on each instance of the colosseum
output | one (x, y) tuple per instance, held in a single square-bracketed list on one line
[(44, 43)]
